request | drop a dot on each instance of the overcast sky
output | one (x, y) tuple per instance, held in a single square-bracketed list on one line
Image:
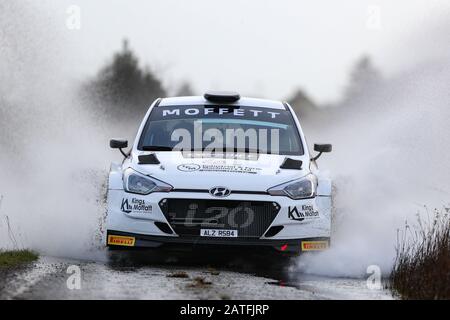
[(258, 47)]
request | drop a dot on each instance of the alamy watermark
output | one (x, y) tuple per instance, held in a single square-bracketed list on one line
[(73, 20), (374, 280), (74, 280), (250, 140), (373, 20)]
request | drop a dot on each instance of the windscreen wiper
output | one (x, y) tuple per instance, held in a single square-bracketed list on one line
[(246, 150), (234, 150)]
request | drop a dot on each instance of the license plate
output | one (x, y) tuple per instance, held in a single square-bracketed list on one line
[(218, 233)]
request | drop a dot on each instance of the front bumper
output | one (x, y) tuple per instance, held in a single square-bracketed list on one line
[(142, 219), (291, 246)]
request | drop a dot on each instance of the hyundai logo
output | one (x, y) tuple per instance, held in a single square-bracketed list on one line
[(220, 192)]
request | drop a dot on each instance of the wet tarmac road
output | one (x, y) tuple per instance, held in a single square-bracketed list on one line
[(140, 275)]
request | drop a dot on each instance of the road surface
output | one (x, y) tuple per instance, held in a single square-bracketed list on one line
[(180, 276)]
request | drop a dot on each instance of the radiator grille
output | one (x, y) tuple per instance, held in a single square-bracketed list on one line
[(188, 216)]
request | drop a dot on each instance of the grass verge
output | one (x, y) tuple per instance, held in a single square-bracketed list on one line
[(422, 266), (17, 258)]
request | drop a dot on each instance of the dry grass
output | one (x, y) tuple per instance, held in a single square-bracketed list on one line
[(422, 266)]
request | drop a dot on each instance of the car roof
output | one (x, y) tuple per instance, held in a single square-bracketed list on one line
[(199, 100)]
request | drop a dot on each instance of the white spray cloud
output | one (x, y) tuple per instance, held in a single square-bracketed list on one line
[(390, 158), (54, 156), (391, 162)]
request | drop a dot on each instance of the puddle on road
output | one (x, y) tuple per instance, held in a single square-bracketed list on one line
[(262, 264), (193, 275), (279, 271)]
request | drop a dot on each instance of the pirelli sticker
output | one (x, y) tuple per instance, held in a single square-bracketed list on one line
[(314, 245), (121, 241)]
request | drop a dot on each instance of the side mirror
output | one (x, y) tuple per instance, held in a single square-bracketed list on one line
[(119, 144), (321, 148)]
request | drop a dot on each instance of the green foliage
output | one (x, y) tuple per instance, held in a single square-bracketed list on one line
[(10, 259), (123, 88)]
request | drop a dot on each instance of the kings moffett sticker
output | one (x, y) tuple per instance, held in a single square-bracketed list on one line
[(136, 207), (303, 212)]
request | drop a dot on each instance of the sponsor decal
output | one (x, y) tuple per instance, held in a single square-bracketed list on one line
[(135, 206), (188, 167), (314, 245), (220, 111), (218, 168), (230, 169), (121, 241), (305, 211)]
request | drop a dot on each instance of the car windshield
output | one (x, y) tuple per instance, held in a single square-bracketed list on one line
[(221, 128)]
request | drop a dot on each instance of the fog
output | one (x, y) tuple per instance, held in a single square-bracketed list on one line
[(259, 48)]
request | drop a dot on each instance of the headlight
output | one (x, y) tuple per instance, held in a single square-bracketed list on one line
[(296, 189), (135, 182)]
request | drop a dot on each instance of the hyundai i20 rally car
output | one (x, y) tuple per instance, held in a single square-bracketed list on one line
[(219, 170)]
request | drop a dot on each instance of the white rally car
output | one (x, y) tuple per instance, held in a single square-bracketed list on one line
[(219, 170)]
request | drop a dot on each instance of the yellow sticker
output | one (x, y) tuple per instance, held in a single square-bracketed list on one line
[(121, 241), (314, 245)]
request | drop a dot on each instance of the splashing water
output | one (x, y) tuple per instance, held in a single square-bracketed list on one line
[(390, 162)]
